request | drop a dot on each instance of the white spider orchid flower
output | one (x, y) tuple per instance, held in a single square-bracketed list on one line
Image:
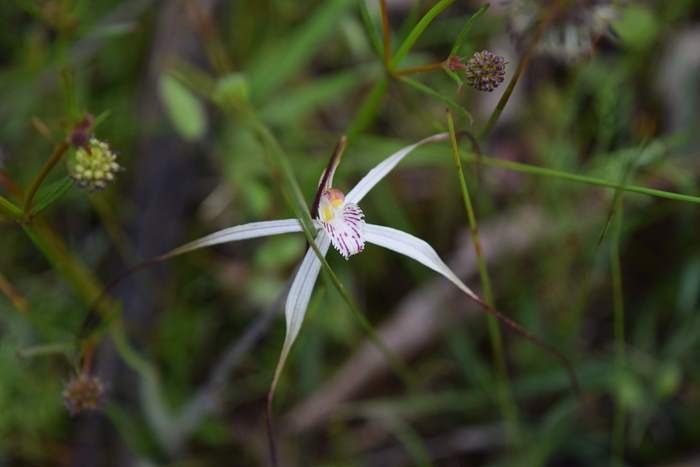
[(340, 222)]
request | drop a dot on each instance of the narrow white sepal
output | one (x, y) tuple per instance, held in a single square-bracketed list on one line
[(375, 175), (415, 248), (240, 232), (299, 296)]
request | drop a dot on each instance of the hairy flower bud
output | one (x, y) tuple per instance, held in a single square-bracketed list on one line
[(94, 165), (83, 392), (485, 71)]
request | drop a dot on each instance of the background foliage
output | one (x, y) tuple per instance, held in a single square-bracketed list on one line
[(610, 277)]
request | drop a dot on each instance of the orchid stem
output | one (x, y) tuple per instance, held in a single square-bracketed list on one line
[(45, 170), (298, 205), (505, 395)]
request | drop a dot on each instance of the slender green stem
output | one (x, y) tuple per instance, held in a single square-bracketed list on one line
[(43, 173), (416, 32), (370, 27), (524, 60), (505, 396), (618, 434), (386, 33), (584, 179)]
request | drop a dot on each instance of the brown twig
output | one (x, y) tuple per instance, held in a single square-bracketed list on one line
[(419, 69)]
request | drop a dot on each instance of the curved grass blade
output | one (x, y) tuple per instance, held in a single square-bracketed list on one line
[(370, 27), (417, 30), (462, 37), (275, 65)]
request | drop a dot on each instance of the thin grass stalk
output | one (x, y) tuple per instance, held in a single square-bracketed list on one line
[(618, 433), (386, 33), (9, 210), (506, 401), (584, 179)]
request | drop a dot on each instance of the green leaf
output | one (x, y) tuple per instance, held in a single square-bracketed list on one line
[(185, 111), (461, 39), (51, 193), (418, 86), (418, 30), (275, 65)]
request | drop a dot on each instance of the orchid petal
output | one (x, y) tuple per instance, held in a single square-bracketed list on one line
[(375, 175), (298, 298), (417, 249), (239, 232), (347, 230)]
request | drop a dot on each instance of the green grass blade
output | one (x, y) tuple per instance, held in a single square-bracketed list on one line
[(618, 430), (417, 30), (506, 400), (52, 193), (9, 210), (370, 28), (584, 179), (462, 38), (275, 65)]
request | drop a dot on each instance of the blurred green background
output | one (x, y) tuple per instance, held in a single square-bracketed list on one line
[(609, 277)]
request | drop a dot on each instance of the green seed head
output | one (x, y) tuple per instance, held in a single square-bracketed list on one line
[(94, 165)]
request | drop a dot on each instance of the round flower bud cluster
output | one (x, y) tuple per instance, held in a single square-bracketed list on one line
[(485, 71), (94, 165), (83, 392)]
